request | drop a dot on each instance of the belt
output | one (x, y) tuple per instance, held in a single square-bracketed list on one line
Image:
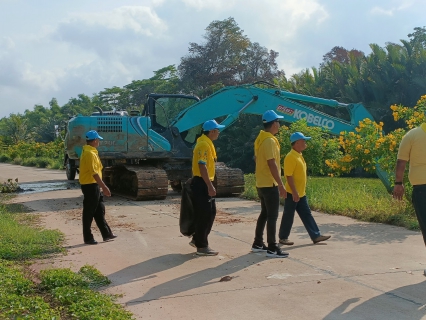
[(419, 185)]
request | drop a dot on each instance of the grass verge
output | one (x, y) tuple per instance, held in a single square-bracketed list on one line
[(19, 237), (359, 198), (55, 293)]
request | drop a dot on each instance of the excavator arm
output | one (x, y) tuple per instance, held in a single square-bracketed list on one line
[(250, 99)]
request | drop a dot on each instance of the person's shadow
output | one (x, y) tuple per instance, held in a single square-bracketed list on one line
[(198, 279), (148, 269), (407, 302)]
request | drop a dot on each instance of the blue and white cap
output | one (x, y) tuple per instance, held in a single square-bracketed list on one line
[(269, 116), (298, 136), (211, 125), (92, 135)]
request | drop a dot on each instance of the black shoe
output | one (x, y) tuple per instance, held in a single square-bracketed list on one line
[(257, 248), (207, 251), (93, 241), (276, 253), (110, 237)]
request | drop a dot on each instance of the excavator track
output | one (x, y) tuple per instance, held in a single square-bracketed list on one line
[(229, 182), (137, 182)]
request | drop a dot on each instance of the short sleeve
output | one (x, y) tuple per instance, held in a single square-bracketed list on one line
[(268, 148), (202, 153), (404, 148), (289, 165), (91, 164)]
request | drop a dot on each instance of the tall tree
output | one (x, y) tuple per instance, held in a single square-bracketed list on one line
[(418, 37), (15, 129), (341, 55), (218, 60)]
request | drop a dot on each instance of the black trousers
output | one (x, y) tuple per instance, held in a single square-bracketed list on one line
[(93, 208), (419, 204), (270, 205), (204, 210)]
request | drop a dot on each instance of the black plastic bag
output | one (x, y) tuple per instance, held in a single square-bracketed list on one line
[(187, 215)]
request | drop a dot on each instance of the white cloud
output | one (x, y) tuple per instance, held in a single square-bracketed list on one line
[(211, 4), (381, 11), (61, 49), (394, 9), (113, 34), (138, 19)]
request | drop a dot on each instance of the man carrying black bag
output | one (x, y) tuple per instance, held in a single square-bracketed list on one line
[(203, 191)]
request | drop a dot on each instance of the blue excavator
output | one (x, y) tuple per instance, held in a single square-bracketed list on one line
[(142, 152)]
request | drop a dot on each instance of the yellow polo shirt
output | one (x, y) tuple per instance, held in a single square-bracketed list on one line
[(413, 149), (90, 164), (204, 153), (295, 166), (266, 147)]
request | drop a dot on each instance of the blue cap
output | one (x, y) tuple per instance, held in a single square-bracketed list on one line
[(92, 135), (269, 116), (298, 136), (211, 125)]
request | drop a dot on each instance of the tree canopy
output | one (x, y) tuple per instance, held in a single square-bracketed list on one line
[(388, 75)]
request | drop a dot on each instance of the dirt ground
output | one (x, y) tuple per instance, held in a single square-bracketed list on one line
[(366, 270)]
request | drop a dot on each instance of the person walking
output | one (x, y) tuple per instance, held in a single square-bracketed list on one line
[(203, 171), (296, 200), (269, 185), (90, 177), (413, 149)]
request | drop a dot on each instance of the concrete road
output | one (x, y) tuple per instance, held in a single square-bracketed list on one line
[(365, 271)]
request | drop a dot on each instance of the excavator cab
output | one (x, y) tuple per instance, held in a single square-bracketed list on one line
[(164, 109)]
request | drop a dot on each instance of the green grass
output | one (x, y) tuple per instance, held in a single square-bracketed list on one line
[(20, 239), (57, 293), (39, 162), (359, 198), (19, 297)]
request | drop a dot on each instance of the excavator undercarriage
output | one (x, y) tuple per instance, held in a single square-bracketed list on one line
[(151, 183)]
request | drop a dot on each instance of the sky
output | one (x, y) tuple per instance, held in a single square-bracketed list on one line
[(59, 49)]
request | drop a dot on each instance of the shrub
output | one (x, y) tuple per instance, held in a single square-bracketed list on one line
[(4, 158), (93, 276), (29, 162), (9, 186), (43, 162), (56, 164), (369, 147), (17, 161), (56, 278)]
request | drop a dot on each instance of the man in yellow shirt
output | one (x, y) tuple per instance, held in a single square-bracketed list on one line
[(269, 185), (413, 149), (296, 200), (203, 171), (90, 177)]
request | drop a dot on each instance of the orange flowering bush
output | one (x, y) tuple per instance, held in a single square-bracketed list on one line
[(368, 147)]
